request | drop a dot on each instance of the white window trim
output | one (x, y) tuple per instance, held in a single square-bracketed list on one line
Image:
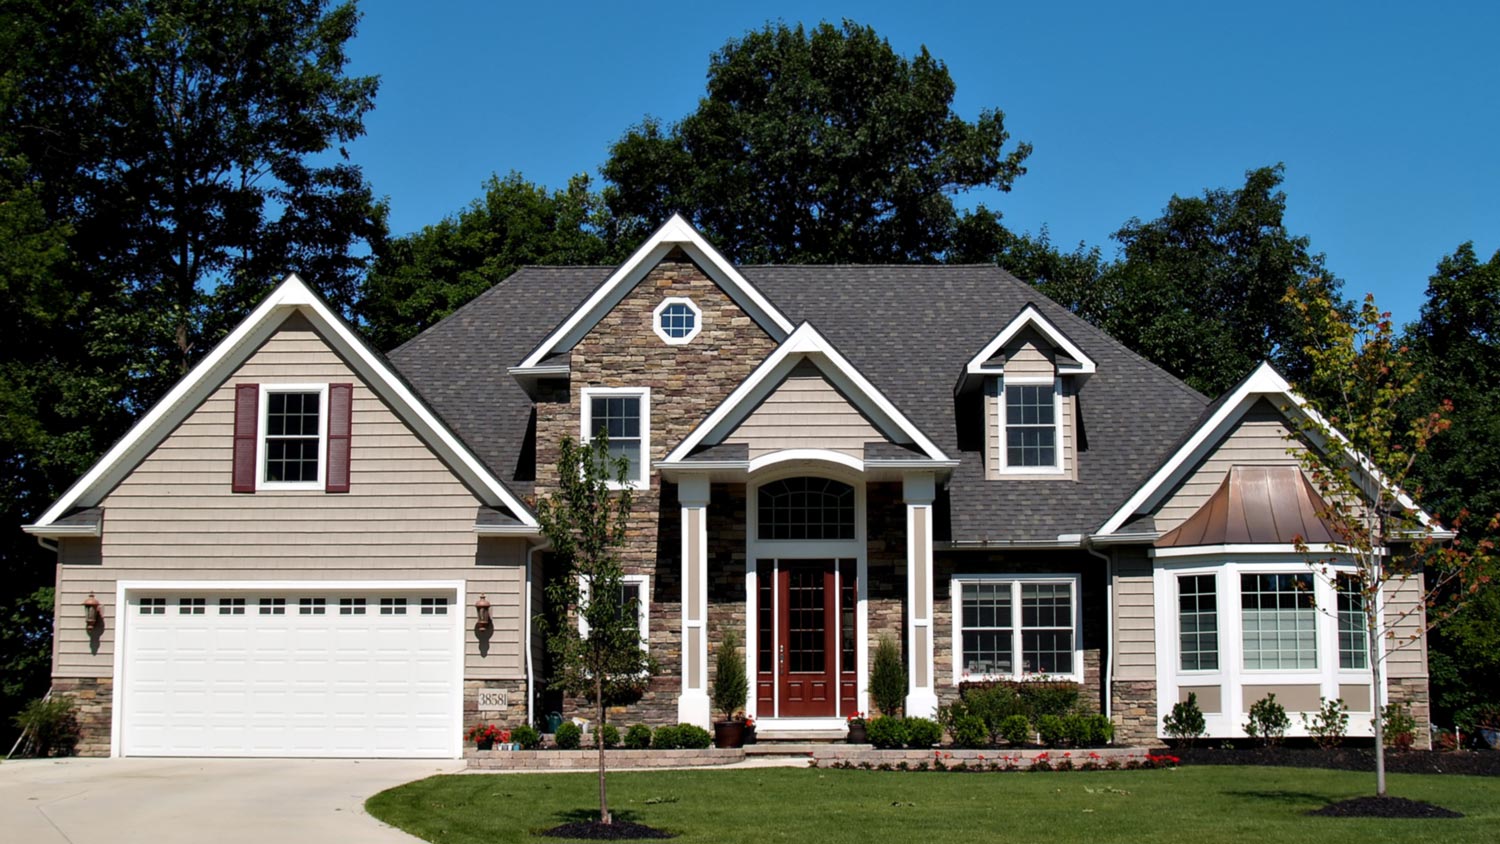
[(1232, 676), (585, 428), (1177, 623), (261, 428), (686, 338), (643, 608), (956, 641), (1057, 428)]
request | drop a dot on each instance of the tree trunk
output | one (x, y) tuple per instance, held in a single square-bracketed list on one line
[(604, 816), (1377, 683)]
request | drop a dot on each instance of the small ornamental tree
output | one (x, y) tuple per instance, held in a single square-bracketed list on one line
[(593, 635), (888, 678), (731, 688), (1360, 378)]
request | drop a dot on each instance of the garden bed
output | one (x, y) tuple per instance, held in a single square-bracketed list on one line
[(582, 760), (1472, 763), (994, 759)]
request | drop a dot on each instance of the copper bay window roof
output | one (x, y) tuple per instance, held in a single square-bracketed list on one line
[(1256, 505)]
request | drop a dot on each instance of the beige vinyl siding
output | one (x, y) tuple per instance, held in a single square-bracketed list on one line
[(1258, 439), (1406, 652), (406, 517), (995, 435), (805, 411), (1135, 616)]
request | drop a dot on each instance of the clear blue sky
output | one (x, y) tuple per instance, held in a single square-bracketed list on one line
[(1386, 115)]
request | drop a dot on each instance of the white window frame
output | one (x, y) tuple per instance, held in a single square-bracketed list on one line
[(642, 607), (686, 338), (1218, 623), (1074, 583), (1057, 427), (263, 415), (586, 413)]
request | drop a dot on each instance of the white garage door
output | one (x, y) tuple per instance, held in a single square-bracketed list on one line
[(292, 673)]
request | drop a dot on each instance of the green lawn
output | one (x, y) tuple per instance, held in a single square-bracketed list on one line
[(1197, 805)]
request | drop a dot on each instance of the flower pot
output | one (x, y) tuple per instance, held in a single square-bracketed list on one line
[(729, 734), (857, 734), (486, 744), (749, 734)]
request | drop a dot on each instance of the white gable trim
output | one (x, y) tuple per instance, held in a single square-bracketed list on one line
[(1030, 316), (674, 233), (292, 295), (1264, 382), (807, 343)]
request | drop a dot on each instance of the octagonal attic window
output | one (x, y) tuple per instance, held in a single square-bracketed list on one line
[(677, 321)]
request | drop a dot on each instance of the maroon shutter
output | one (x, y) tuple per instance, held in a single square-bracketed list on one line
[(246, 417), (340, 409)]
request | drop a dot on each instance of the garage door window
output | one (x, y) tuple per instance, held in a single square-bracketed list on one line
[(434, 606), (351, 606), (273, 606), (191, 606), (153, 606), (393, 606), (312, 606), (231, 606)]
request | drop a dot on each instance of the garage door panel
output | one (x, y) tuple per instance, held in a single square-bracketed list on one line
[(252, 681)]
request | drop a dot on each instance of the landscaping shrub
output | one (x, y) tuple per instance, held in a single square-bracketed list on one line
[(638, 737), (1329, 724), (1399, 729), (693, 737), (887, 731), (51, 724), (1101, 730), (993, 704), (1047, 697), (667, 737), (1268, 721), (609, 735), (969, 731), (1052, 729), (1184, 724), (922, 733), (1016, 729), (528, 737), (569, 736), (949, 715), (1078, 728), (888, 678), (730, 686)]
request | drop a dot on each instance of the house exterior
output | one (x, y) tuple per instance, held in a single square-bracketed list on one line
[(310, 549)]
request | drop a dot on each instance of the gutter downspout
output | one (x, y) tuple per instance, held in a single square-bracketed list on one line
[(531, 626), (1109, 609)]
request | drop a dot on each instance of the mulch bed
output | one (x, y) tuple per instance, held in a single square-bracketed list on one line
[(1470, 763), (1384, 807), (617, 831)]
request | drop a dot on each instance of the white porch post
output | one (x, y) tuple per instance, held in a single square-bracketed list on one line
[(919, 489), (692, 704)]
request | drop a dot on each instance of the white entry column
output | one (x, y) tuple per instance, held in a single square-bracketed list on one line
[(692, 704), (918, 490)]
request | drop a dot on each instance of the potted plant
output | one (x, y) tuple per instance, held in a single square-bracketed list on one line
[(856, 725), (730, 690), (749, 730), (484, 736)]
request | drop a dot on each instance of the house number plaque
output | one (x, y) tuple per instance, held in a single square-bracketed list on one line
[(491, 700)]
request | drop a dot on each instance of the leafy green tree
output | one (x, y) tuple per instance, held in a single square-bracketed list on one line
[(594, 636), (814, 146), (1198, 291), (1360, 378), (1455, 344), (1071, 279), (418, 279)]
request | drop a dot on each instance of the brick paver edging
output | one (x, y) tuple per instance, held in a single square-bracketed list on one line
[(563, 760), (860, 755)]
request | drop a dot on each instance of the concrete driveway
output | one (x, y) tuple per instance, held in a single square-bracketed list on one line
[(225, 801)]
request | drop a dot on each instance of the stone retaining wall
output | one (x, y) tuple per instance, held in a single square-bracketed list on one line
[(588, 760), (838, 755)]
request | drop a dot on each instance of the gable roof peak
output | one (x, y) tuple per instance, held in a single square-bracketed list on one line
[(1030, 316)]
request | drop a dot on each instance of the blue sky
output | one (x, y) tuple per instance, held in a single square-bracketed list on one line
[(1386, 115)]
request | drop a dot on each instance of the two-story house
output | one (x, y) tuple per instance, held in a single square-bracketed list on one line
[(308, 548)]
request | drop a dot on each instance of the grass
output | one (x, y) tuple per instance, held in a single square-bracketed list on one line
[(1196, 805)]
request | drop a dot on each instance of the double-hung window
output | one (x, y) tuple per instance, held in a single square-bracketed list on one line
[(1354, 642), (1279, 622), (1198, 622), (634, 599), (1009, 627), (1031, 412), (294, 427), (624, 415)]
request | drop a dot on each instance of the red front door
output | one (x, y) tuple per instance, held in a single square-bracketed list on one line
[(807, 664)]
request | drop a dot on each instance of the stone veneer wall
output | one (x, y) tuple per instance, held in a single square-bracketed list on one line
[(514, 715), (687, 382), (1134, 704), (93, 704), (1413, 692)]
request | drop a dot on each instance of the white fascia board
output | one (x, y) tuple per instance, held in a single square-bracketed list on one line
[(189, 393), (1030, 316), (507, 530), (1243, 550), (62, 531), (1265, 381), (805, 341), (675, 232)]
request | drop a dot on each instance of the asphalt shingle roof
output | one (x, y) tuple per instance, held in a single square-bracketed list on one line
[(909, 329)]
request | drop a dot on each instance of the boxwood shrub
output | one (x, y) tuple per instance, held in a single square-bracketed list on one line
[(922, 733), (667, 737), (693, 737), (526, 736), (969, 731), (1052, 729), (638, 737), (569, 735), (1016, 729), (887, 731)]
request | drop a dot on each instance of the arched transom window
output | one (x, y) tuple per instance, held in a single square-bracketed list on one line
[(806, 508)]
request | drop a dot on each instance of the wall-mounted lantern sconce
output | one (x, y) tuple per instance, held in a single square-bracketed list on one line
[(93, 619), (482, 610)]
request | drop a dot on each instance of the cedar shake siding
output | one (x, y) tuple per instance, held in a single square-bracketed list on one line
[(405, 517)]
